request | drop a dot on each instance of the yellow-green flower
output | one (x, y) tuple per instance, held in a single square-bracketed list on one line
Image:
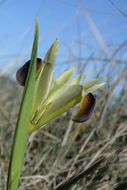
[(54, 97)]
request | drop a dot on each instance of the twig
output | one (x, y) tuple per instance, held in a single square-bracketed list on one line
[(118, 9)]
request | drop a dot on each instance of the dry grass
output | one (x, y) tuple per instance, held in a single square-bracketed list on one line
[(65, 155)]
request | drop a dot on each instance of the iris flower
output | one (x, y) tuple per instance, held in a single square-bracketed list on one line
[(54, 97)]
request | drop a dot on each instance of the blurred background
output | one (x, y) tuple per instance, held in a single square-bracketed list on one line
[(93, 38), (90, 33)]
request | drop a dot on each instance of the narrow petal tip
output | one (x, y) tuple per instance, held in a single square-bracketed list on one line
[(22, 72), (51, 54), (87, 106)]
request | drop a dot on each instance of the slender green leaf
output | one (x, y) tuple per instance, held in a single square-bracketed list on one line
[(21, 132)]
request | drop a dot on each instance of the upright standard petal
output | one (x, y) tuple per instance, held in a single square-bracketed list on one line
[(46, 76), (58, 91), (62, 79)]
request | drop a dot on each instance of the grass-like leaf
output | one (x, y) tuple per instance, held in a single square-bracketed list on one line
[(21, 132)]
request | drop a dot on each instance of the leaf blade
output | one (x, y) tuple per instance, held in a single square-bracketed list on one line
[(21, 131)]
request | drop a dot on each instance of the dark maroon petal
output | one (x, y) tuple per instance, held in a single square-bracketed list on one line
[(87, 106), (22, 72)]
